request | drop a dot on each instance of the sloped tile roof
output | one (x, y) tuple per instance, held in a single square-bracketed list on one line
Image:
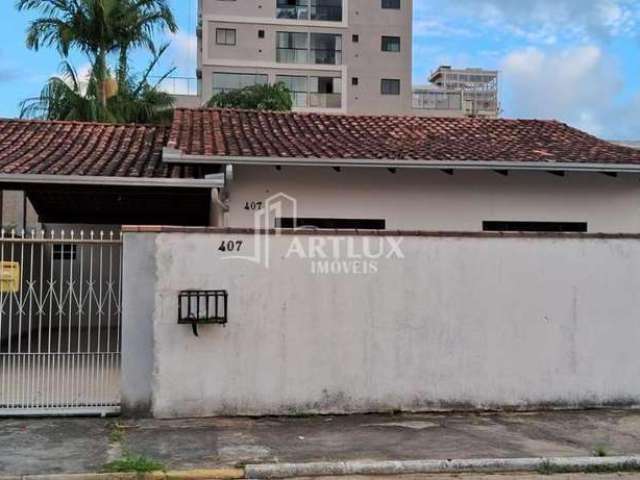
[(85, 149), (242, 133)]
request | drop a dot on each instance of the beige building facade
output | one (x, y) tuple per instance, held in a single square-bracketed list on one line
[(336, 56), (427, 199)]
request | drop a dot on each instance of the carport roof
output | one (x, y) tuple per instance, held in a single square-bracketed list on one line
[(89, 153), (242, 136)]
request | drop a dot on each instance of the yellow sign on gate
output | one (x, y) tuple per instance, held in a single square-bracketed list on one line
[(9, 277)]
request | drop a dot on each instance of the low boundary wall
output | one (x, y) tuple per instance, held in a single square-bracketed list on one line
[(437, 321)]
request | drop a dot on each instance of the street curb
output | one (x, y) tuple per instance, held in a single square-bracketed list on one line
[(206, 474), (323, 469), (82, 476), (485, 465)]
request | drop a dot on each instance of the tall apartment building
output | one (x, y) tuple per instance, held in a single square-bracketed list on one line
[(343, 56)]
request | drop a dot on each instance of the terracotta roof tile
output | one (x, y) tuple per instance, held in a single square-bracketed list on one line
[(229, 132), (85, 149)]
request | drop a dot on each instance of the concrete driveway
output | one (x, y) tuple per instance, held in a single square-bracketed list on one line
[(76, 445)]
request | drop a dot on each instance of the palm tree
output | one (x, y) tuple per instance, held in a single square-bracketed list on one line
[(62, 98), (141, 19), (67, 97), (97, 28)]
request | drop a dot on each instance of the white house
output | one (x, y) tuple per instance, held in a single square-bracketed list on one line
[(407, 173), (453, 309), (453, 263)]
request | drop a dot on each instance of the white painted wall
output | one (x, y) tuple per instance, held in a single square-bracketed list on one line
[(472, 322), (430, 200)]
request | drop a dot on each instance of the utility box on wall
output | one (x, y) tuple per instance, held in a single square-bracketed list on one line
[(202, 307)]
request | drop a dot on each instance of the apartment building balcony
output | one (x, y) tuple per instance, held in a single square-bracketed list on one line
[(325, 100), (312, 91), (176, 85), (437, 100), (304, 56), (464, 103), (184, 90), (317, 100), (309, 48), (328, 11)]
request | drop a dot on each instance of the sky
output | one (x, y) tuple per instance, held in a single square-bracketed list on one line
[(576, 61)]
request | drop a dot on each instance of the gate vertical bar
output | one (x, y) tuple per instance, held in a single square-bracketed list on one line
[(80, 399), (3, 380), (11, 357)]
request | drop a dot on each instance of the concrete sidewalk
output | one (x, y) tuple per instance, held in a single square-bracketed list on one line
[(76, 445)]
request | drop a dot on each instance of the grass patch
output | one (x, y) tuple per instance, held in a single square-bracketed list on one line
[(134, 463), (116, 435), (547, 468)]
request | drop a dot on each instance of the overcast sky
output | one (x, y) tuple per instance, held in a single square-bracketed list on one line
[(572, 60)]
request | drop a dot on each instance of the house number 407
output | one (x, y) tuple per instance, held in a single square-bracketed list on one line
[(253, 206), (230, 246)]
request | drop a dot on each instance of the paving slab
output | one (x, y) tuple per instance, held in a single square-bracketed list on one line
[(79, 445), (49, 446)]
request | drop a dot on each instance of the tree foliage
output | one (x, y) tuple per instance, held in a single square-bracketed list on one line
[(99, 29), (66, 97), (258, 97)]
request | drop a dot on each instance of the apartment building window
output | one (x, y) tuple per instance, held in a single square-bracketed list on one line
[(225, 82), (326, 49), (319, 10), (325, 92), (390, 44), (313, 91), (225, 36), (292, 9), (391, 4), (389, 86), (313, 48), (292, 47), (299, 88), (355, 81)]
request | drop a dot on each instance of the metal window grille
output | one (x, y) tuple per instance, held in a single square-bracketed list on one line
[(203, 307)]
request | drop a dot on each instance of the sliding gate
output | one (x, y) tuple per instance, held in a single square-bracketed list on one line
[(60, 316)]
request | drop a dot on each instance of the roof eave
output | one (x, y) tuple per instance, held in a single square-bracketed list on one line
[(35, 179), (175, 156)]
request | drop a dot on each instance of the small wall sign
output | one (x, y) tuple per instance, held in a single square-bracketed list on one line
[(9, 277)]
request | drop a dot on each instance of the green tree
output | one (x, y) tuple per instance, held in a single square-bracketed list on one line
[(258, 97), (98, 28), (66, 97)]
